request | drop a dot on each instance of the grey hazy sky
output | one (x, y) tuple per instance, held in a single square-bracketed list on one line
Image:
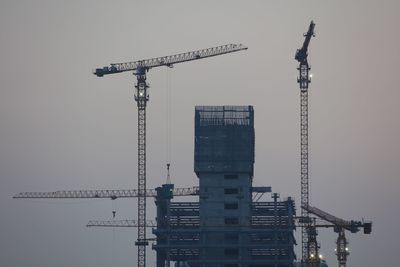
[(64, 128)]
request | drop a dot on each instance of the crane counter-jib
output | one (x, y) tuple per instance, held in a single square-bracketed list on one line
[(168, 61)]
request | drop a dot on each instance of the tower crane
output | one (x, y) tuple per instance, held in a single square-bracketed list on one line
[(308, 234), (139, 69), (339, 225), (304, 80)]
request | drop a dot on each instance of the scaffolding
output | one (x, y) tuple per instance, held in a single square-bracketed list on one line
[(224, 139), (225, 228), (224, 115), (268, 240)]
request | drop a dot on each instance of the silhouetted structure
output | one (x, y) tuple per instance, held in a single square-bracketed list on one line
[(309, 244), (226, 228)]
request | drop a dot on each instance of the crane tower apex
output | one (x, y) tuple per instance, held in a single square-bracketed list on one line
[(302, 53)]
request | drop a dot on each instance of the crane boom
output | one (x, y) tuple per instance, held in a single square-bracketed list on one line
[(169, 61), (352, 226), (119, 193), (119, 223), (113, 194), (340, 226), (326, 216), (302, 53)]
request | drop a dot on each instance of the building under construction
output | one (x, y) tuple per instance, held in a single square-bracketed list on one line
[(228, 227)]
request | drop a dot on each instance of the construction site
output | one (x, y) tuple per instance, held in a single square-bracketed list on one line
[(232, 223)]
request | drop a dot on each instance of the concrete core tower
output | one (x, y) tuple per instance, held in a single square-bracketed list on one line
[(224, 158), (227, 227)]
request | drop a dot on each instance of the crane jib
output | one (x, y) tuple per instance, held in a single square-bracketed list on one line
[(301, 54), (169, 60)]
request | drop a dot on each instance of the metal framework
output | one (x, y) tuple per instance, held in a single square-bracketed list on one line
[(341, 248), (312, 244), (169, 61), (339, 225), (121, 193), (304, 80), (352, 226), (268, 238), (112, 194), (119, 223), (141, 98)]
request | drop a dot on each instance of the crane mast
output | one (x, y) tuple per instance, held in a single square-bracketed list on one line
[(141, 97), (304, 80)]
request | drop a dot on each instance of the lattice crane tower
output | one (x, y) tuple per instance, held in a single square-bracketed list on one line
[(304, 80)]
